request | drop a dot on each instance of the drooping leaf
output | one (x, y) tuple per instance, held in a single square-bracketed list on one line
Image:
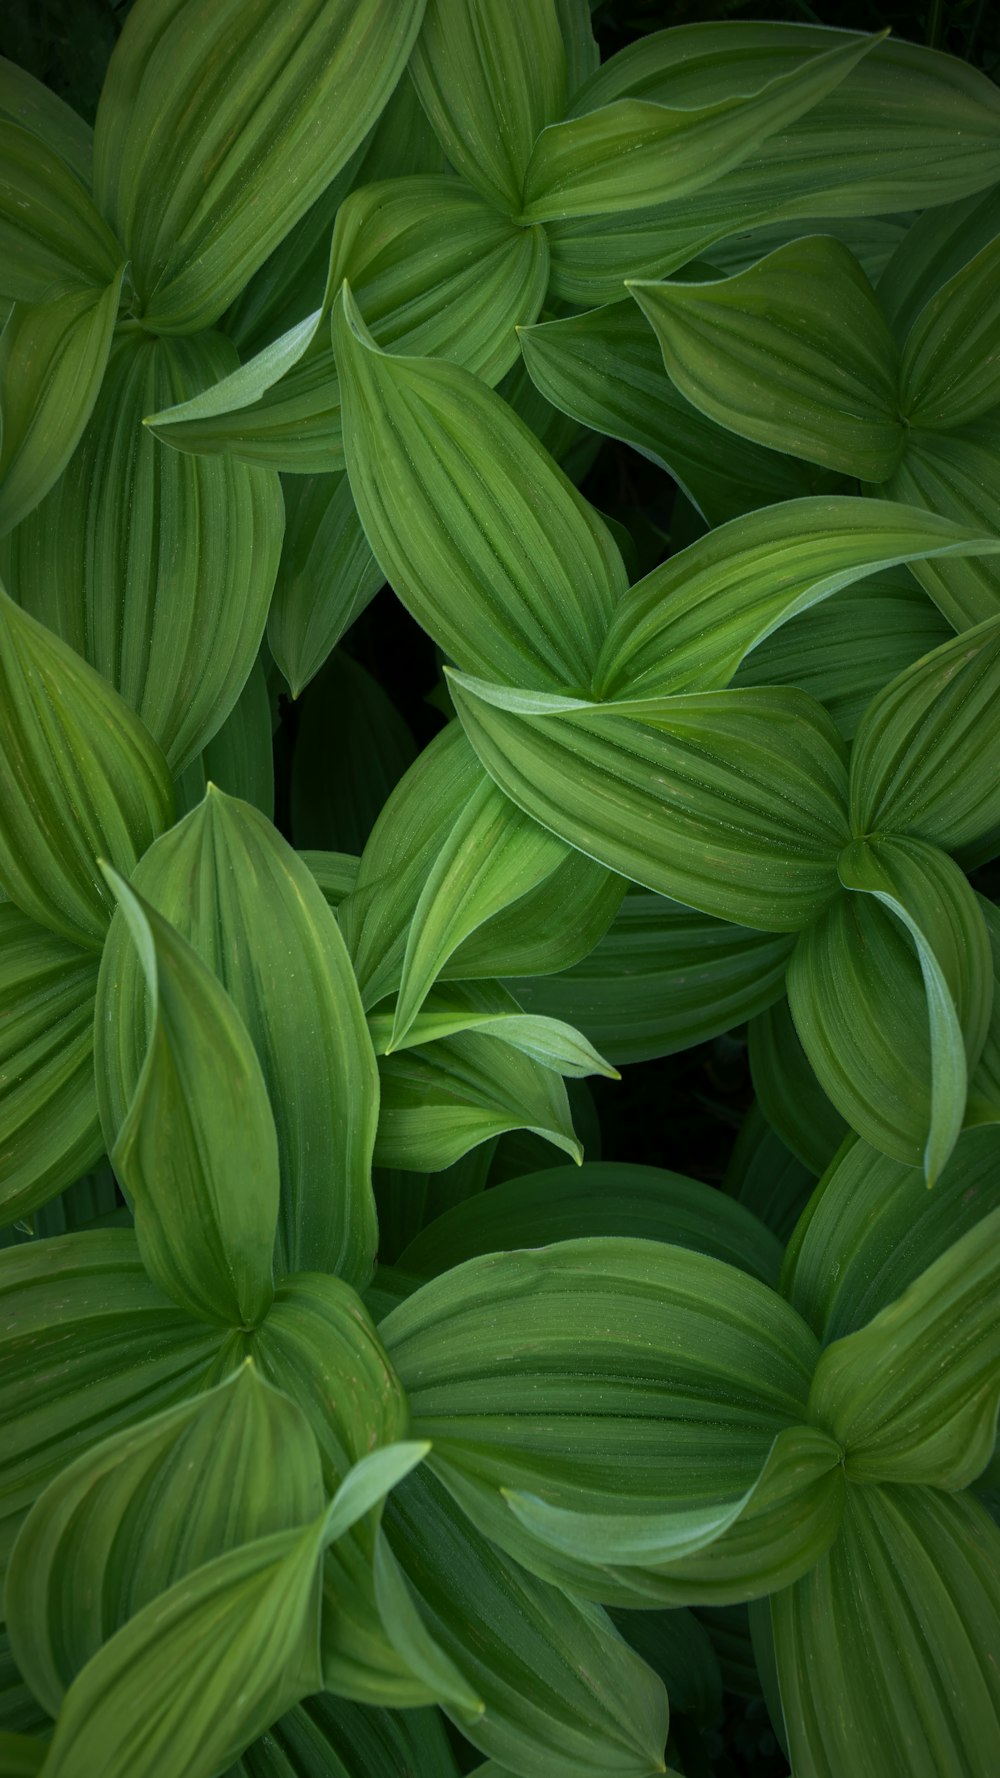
[(326, 577), (492, 1011), (52, 237), (80, 779)]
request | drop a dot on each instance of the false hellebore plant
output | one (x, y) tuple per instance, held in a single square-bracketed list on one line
[(320, 302)]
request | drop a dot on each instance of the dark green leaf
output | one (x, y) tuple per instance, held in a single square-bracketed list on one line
[(788, 1092), (51, 235), (326, 577), (949, 371)]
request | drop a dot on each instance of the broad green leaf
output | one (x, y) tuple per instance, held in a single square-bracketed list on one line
[(891, 995), (231, 887), (197, 1151), (689, 624), (949, 371), (597, 1199), (80, 779), (583, 56), (606, 370), (491, 1010), (239, 758), (872, 1228), (89, 1346), (547, 930), (144, 1510), (92, 1201), (157, 567), (788, 1092), (766, 1177), (926, 758), (52, 359), (633, 152), (873, 240), (936, 245), (733, 803), (490, 75), (912, 1396), (847, 649), (36, 108), (888, 1652), (564, 1695), (662, 979), (441, 1100), (793, 353), (486, 542), (49, 1128), (347, 716), (955, 473), (335, 872), (326, 1737), (327, 576), (51, 235), (268, 104)]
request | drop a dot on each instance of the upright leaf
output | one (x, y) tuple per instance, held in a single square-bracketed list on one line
[(51, 235), (35, 107)]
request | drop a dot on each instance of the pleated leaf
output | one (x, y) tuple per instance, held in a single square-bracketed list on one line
[(788, 1092), (239, 758), (950, 362), (80, 779), (52, 360), (49, 1129), (35, 107), (267, 105), (490, 76), (144, 1510), (327, 1737), (491, 1010), (156, 567), (486, 542), (327, 576), (888, 1652), (955, 473), (52, 236), (197, 1151), (793, 353), (347, 716), (248, 906), (732, 803)]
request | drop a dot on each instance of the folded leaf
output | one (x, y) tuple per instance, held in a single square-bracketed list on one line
[(80, 779), (887, 1652), (949, 372), (267, 105), (935, 246), (327, 576), (51, 235), (793, 353), (49, 1129), (491, 1010), (52, 359), (197, 1150)]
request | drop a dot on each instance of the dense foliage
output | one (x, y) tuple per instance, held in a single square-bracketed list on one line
[(376, 1401)]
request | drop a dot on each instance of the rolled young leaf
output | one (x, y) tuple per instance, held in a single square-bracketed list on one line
[(197, 1150), (80, 779), (52, 237)]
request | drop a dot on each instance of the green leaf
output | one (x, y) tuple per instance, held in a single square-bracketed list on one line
[(326, 1737), (733, 803), (597, 1199), (52, 360), (51, 235), (156, 567), (926, 759), (949, 372), (564, 1695), (327, 576), (349, 717), (21, 1756), (231, 887), (677, 1647), (935, 246), (144, 1510), (983, 1106), (766, 1177), (887, 1652), (955, 473), (335, 872), (197, 1150), (662, 979), (490, 76), (267, 104), (80, 779), (633, 152), (547, 930), (689, 624), (486, 542), (89, 1346), (35, 107), (788, 1092), (49, 1129), (793, 353), (606, 370), (239, 758), (912, 1397), (493, 1011)]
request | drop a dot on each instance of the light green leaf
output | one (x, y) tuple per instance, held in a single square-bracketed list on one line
[(80, 779), (491, 1010), (231, 887), (926, 759), (793, 353), (144, 1510), (732, 803), (955, 473), (486, 542), (35, 107), (326, 1737), (197, 1150), (49, 1129), (335, 872), (547, 930), (606, 370), (327, 576), (662, 979), (239, 758), (888, 1652), (949, 372), (597, 1199), (633, 152), (490, 76), (52, 360), (788, 1092), (89, 1345), (51, 235), (268, 105), (156, 567)]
